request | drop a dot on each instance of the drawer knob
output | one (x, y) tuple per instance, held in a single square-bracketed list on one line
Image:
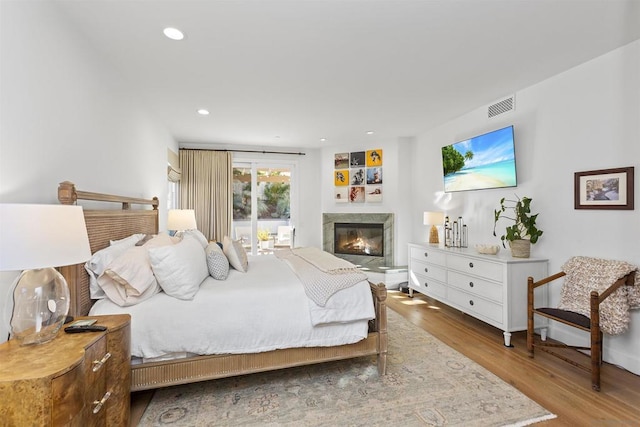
[(100, 403), (471, 284), (426, 270), (426, 285), (426, 254), (471, 264), (97, 364), (470, 302)]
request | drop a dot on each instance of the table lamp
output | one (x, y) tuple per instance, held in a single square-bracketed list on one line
[(433, 219), (37, 238), (181, 220)]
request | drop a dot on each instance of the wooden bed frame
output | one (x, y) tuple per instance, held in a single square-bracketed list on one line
[(113, 224)]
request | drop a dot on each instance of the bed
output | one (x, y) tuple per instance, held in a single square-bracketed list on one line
[(105, 225)]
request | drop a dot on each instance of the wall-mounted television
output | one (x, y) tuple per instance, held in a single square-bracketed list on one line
[(482, 162)]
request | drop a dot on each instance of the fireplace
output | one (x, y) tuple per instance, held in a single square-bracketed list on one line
[(365, 239), (358, 239)]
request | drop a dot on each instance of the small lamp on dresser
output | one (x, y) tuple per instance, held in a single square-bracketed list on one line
[(37, 238), (181, 220), (433, 219)]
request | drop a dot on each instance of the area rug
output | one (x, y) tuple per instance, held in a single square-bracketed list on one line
[(427, 384)]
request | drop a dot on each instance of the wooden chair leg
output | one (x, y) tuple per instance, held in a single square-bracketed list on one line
[(596, 343), (530, 326)]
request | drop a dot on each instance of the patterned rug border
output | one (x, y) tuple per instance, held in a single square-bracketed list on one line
[(428, 383)]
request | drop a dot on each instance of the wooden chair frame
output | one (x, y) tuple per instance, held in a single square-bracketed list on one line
[(593, 324)]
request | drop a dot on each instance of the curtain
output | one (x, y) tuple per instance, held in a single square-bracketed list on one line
[(206, 187)]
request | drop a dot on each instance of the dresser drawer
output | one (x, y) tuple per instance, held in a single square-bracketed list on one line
[(475, 305), (429, 270), (478, 267), (476, 286), (428, 286), (427, 254)]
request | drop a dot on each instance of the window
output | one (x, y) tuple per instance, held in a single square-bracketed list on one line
[(261, 203)]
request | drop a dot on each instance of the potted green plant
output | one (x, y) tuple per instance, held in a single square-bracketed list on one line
[(523, 232)]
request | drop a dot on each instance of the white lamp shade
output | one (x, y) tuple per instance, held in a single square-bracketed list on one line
[(181, 219), (433, 218), (39, 236)]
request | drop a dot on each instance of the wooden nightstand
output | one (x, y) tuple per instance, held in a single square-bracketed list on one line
[(76, 379)]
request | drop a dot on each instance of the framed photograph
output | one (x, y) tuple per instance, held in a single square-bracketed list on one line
[(604, 189), (373, 194), (357, 176), (356, 194), (341, 161), (357, 159), (374, 157), (341, 178), (341, 195)]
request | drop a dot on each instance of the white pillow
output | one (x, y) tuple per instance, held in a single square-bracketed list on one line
[(162, 239), (236, 254), (102, 258), (197, 234), (217, 262), (129, 277), (133, 238), (180, 268)]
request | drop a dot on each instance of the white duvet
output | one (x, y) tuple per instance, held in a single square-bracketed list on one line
[(261, 310)]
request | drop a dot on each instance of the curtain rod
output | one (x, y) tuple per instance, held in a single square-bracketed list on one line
[(245, 151)]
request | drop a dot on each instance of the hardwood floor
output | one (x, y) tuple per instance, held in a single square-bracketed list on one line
[(560, 387)]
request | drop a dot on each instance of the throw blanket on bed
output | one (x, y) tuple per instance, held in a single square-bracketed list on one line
[(321, 273), (584, 274)]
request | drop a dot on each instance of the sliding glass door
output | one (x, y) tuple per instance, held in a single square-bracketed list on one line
[(262, 218)]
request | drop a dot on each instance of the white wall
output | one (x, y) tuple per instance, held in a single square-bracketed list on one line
[(587, 118), (67, 115)]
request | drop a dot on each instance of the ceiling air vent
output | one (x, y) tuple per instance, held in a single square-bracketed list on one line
[(501, 107)]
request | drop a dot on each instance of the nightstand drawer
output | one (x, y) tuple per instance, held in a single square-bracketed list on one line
[(95, 363), (476, 286), (427, 255), (478, 267), (429, 270)]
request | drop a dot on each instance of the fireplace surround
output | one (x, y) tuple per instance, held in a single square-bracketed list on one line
[(385, 219)]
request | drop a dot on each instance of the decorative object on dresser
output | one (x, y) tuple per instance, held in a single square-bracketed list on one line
[(433, 219), (181, 220), (455, 233), (591, 300), (104, 226), (491, 288), (73, 380), (523, 232), (37, 238)]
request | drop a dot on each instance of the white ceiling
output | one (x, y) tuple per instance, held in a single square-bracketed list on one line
[(288, 73)]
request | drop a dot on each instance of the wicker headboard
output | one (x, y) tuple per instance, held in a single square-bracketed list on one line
[(103, 226)]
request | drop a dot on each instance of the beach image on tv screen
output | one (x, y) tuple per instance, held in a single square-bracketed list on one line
[(481, 162)]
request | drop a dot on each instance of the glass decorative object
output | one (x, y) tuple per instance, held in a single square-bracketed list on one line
[(41, 305)]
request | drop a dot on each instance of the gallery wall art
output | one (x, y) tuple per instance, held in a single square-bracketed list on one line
[(357, 176)]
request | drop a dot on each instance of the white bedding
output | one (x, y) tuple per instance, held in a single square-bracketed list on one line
[(261, 310)]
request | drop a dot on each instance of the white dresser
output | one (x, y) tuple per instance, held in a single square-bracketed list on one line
[(492, 288)]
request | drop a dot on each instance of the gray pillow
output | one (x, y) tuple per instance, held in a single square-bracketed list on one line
[(235, 253), (217, 262)]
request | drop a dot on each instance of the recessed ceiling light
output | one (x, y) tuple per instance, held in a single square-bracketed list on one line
[(369, 132), (173, 33), (323, 139), (203, 112)]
